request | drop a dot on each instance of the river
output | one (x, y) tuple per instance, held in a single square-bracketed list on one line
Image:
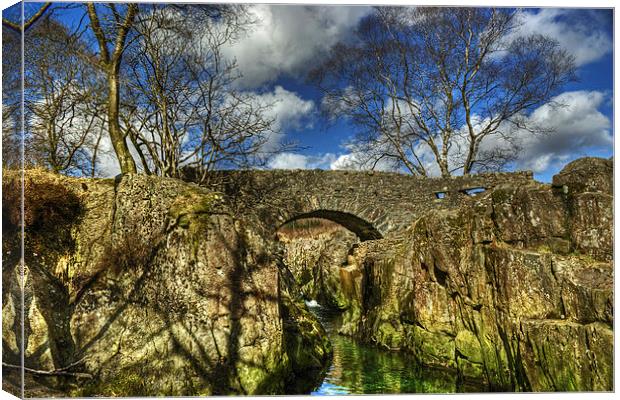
[(362, 369)]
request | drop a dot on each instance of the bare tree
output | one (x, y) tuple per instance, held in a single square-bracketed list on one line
[(11, 98), (12, 26), (111, 24), (157, 82), (182, 108), (64, 107), (440, 81)]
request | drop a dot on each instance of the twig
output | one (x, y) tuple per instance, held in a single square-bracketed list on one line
[(18, 28), (57, 372)]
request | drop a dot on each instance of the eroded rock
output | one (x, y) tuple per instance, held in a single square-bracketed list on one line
[(515, 287), (154, 287)]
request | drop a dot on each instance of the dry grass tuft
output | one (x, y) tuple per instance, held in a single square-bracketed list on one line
[(48, 203), (308, 227)]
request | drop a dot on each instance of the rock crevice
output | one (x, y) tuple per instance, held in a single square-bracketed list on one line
[(514, 287), (153, 287)]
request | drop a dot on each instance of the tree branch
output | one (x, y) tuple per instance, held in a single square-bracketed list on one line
[(94, 22), (56, 372), (18, 28)]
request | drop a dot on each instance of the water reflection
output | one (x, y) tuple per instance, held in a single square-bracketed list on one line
[(361, 369)]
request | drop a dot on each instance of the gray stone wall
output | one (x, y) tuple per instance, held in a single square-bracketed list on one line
[(371, 204)]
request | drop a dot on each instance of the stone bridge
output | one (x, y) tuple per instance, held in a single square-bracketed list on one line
[(371, 204)]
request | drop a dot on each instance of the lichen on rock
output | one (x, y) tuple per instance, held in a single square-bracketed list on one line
[(155, 289), (151, 286), (514, 287)]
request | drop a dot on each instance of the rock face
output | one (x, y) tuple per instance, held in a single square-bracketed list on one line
[(315, 264), (153, 287), (515, 287)]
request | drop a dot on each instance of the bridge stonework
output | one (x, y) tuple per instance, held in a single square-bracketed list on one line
[(369, 203)]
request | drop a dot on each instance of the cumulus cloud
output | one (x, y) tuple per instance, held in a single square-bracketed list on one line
[(573, 123), (577, 126), (353, 159), (302, 161), (573, 126), (356, 158), (107, 163), (290, 39), (580, 36), (288, 111)]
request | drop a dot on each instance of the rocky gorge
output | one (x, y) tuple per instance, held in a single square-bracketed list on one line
[(150, 286), (514, 288)]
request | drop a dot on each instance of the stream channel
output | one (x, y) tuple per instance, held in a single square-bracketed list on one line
[(357, 368)]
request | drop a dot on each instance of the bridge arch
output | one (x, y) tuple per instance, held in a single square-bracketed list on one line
[(362, 228), (371, 204)]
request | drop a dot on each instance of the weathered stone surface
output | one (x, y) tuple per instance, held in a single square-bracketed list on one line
[(155, 288), (305, 339), (528, 215), (592, 214), (316, 263), (588, 174), (588, 183), (566, 356), (586, 289), (370, 204), (515, 287)]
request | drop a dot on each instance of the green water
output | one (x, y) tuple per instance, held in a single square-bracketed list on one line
[(363, 369)]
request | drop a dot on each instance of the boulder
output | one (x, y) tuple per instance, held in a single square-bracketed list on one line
[(588, 174)]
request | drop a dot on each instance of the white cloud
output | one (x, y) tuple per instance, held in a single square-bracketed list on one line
[(577, 127), (352, 160), (290, 39), (289, 161), (302, 161), (575, 124), (107, 163), (288, 111), (357, 160), (581, 37)]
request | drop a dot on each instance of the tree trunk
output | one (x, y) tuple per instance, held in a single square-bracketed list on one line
[(471, 155), (443, 167), (121, 149)]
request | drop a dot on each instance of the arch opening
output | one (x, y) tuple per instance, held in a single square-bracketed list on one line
[(362, 228)]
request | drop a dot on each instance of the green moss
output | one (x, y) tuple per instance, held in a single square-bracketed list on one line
[(468, 346), (543, 249), (501, 195), (494, 358), (192, 204), (433, 348), (389, 336), (261, 379), (470, 369), (350, 320), (305, 342), (122, 384)]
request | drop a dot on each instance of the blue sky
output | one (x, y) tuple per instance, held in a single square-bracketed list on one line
[(276, 54), (584, 128)]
